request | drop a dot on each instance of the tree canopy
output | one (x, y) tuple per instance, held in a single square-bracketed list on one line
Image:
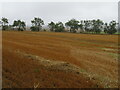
[(73, 25), (37, 24), (4, 23), (20, 25), (56, 27)]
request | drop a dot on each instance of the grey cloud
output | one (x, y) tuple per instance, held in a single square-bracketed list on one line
[(60, 11)]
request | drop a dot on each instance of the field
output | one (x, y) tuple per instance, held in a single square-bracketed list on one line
[(59, 60)]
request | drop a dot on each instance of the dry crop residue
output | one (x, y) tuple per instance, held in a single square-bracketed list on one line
[(49, 59)]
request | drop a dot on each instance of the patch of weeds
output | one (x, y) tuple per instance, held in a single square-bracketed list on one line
[(114, 55), (108, 49), (37, 70), (107, 86), (96, 86), (118, 57), (82, 70)]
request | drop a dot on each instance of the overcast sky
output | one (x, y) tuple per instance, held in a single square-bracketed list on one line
[(59, 11)]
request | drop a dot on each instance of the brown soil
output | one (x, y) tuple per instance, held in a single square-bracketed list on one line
[(58, 60)]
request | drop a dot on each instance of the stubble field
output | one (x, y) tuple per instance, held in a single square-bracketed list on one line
[(59, 60)]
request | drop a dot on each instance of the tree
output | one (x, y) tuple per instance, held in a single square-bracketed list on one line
[(87, 24), (59, 27), (4, 23), (51, 25), (73, 24), (81, 26), (106, 28), (15, 23), (0, 24), (97, 25), (112, 27), (20, 25), (37, 24)]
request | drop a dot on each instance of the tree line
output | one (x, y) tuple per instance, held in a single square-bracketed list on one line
[(73, 25)]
